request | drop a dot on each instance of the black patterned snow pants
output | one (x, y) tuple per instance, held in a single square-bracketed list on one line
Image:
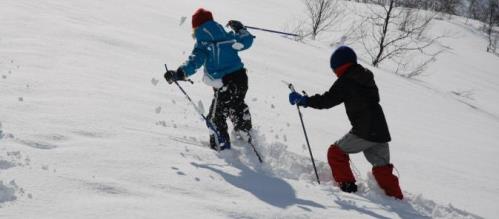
[(228, 101)]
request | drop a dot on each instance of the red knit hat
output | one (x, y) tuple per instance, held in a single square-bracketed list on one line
[(201, 16)]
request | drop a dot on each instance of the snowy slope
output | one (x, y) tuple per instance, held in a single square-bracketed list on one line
[(90, 130)]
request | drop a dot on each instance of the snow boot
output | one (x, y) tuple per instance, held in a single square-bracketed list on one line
[(223, 143), (348, 187), (387, 181), (340, 166)]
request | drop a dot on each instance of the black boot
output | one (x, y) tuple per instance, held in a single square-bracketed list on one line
[(223, 143), (349, 187)]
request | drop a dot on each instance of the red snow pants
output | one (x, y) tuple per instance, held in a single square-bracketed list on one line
[(387, 181), (340, 165), (377, 154)]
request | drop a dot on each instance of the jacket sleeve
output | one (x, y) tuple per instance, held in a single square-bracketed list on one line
[(333, 97), (245, 38), (195, 61)]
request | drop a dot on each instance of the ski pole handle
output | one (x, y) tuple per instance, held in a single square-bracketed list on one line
[(290, 86)]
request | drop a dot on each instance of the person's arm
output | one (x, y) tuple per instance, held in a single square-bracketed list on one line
[(333, 97), (241, 35), (245, 38), (195, 61)]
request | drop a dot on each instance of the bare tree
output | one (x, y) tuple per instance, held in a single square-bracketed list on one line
[(322, 14), (492, 19), (448, 6), (390, 31), (474, 9)]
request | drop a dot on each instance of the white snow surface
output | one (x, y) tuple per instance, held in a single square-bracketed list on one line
[(89, 129)]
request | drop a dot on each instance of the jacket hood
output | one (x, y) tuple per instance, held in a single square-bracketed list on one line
[(210, 31), (360, 75)]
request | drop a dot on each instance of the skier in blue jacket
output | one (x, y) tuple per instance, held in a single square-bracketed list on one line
[(217, 50)]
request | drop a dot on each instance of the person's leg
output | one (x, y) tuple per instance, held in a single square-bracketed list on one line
[(379, 157), (339, 161), (239, 113), (218, 115), (378, 154)]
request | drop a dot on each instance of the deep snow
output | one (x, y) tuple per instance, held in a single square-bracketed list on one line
[(89, 129)]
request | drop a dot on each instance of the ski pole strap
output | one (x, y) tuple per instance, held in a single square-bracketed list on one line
[(272, 31)]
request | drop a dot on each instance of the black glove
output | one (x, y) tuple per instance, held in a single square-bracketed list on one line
[(236, 25), (177, 75)]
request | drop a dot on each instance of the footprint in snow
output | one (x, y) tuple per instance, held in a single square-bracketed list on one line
[(154, 81), (182, 20), (161, 123), (38, 145), (54, 137), (180, 173), (90, 134)]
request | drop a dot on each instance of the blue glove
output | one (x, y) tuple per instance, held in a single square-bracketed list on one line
[(296, 98)]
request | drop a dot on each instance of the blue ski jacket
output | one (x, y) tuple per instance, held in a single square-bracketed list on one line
[(217, 50)]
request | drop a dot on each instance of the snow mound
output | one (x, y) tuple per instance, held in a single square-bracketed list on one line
[(280, 162), (413, 205)]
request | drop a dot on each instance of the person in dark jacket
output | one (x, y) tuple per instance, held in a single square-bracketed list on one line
[(217, 50), (356, 89)]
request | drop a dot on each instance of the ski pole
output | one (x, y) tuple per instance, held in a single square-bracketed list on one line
[(250, 142), (272, 31), (208, 122), (292, 88)]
